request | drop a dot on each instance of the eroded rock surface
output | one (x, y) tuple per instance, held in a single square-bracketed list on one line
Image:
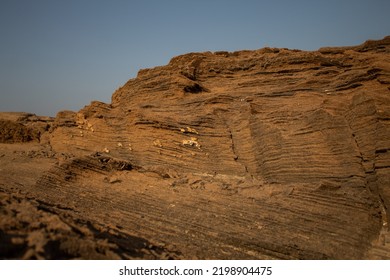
[(272, 153)]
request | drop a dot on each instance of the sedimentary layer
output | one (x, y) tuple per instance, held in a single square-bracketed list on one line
[(272, 153)]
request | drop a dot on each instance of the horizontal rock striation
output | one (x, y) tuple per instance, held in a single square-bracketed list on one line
[(272, 153)]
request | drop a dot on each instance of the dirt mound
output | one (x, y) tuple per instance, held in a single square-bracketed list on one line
[(272, 153)]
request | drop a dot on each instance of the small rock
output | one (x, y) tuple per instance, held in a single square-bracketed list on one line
[(114, 180), (157, 143), (191, 143), (192, 130)]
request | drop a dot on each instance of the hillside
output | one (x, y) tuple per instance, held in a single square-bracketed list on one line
[(264, 154)]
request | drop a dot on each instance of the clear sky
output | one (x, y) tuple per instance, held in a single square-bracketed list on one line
[(62, 54)]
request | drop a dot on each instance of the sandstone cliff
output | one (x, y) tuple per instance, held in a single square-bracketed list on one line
[(272, 153)]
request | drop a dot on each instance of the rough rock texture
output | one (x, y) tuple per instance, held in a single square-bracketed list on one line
[(272, 153), (22, 127)]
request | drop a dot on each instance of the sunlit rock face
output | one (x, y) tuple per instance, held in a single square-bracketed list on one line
[(272, 153)]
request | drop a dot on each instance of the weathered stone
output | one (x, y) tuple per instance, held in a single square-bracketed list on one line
[(290, 157)]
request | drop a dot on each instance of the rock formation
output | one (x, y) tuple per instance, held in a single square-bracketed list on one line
[(272, 153)]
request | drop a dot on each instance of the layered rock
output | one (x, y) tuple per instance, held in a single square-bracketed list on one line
[(272, 153)]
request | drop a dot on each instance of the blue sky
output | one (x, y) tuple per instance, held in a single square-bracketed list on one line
[(57, 55)]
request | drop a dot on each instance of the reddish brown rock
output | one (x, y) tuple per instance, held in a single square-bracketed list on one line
[(272, 153)]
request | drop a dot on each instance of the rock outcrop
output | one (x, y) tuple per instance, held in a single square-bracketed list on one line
[(22, 127), (272, 153)]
